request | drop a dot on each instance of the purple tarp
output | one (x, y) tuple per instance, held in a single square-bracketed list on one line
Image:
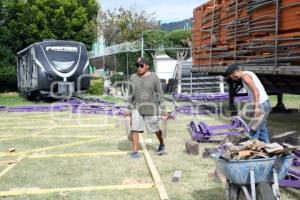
[(209, 97), (293, 177)]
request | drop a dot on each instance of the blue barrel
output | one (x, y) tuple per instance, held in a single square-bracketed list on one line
[(238, 171)]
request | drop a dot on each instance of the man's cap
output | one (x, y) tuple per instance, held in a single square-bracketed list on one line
[(141, 61), (230, 69)]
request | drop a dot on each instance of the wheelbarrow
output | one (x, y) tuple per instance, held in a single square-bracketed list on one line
[(259, 176)]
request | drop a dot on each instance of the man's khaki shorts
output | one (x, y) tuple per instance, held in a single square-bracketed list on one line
[(138, 122)]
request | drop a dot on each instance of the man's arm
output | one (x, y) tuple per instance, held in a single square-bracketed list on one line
[(249, 81), (130, 99), (160, 96)]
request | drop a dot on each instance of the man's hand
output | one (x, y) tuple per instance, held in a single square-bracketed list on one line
[(257, 113), (127, 114), (165, 115)]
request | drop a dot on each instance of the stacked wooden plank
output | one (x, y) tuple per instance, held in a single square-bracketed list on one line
[(252, 149), (255, 33)]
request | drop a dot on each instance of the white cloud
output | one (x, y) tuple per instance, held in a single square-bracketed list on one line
[(166, 10)]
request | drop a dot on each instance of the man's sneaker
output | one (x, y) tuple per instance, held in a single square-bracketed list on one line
[(161, 150), (134, 155)]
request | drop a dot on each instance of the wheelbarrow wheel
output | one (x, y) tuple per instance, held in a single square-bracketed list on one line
[(263, 192)]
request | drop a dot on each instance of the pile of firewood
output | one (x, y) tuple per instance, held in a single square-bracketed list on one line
[(252, 149)]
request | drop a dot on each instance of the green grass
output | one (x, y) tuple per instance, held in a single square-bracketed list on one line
[(75, 172), (197, 181), (290, 101), (13, 99), (111, 98), (146, 194)]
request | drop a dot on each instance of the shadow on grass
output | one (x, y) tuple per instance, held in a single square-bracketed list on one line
[(124, 145), (283, 122), (209, 194)]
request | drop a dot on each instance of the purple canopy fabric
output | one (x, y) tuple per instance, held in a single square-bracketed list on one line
[(208, 97), (99, 109), (197, 109), (293, 177), (92, 105), (37, 108)]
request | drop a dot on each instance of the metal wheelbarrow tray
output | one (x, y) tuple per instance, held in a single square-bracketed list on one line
[(264, 174), (238, 171)]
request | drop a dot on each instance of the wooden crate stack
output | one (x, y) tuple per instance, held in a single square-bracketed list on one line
[(254, 33)]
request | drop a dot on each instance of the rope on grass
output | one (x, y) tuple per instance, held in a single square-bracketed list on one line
[(66, 155), (58, 136), (63, 126), (51, 147), (62, 145), (24, 136), (8, 168), (32, 191), (22, 122)]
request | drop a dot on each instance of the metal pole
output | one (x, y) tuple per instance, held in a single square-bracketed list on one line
[(191, 82), (211, 34), (276, 190), (231, 96), (142, 54), (276, 34), (235, 28), (252, 182), (221, 84)]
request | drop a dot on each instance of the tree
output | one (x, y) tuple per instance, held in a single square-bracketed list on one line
[(122, 25), (23, 22), (153, 43), (34, 20), (178, 39), (153, 39)]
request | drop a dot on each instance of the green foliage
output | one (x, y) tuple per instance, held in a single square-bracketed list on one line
[(132, 57), (96, 87), (117, 77), (13, 99), (122, 25), (178, 39), (122, 63), (153, 39), (23, 22)]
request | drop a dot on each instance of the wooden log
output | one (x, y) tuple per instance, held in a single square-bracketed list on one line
[(192, 147), (156, 177), (282, 138), (220, 178), (8, 161)]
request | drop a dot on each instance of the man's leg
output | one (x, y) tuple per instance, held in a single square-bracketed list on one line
[(152, 125), (161, 148), (137, 126), (263, 133), (135, 141), (254, 134), (159, 137)]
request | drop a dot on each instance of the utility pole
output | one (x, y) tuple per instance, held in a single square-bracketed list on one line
[(142, 53)]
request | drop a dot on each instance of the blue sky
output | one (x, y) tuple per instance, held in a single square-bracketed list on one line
[(165, 10)]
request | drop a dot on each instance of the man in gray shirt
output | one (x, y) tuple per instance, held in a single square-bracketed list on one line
[(145, 99)]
